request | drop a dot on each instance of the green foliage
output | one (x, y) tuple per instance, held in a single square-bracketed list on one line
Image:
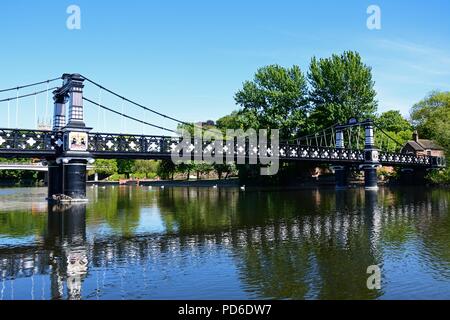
[(439, 176), (146, 168), (18, 176), (106, 167), (341, 88), (166, 169), (235, 120), (125, 166), (431, 116), (393, 121), (224, 169), (185, 168), (202, 168), (276, 98), (396, 141), (116, 177)]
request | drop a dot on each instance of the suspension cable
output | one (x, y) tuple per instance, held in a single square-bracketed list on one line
[(35, 111), (99, 110), (381, 143), (333, 140), (9, 120), (17, 108), (387, 135), (350, 132), (29, 85), (137, 104), (27, 95), (310, 136), (46, 106), (359, 138), (122, 119), (127, 116)]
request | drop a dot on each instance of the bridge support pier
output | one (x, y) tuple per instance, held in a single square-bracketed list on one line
[(75, 179), (341, 176), (55, 179), (370, 177), (67, 177)]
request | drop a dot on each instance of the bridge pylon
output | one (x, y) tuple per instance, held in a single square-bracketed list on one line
[(371, 158), (341, 172), (67, 171)]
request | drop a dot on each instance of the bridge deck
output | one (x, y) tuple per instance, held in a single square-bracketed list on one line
[(47, 144)]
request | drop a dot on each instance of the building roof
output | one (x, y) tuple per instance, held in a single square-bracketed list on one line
[(423, 144)]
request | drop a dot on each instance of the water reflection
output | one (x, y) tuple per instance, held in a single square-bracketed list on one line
[(138, 243), (66, 236)]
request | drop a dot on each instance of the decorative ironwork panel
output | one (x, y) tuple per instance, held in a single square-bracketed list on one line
[(120, 143), (30, 140)]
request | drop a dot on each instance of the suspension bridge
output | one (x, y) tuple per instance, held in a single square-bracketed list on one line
[(70, 145)]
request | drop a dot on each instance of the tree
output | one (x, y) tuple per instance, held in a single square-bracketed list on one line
[(166, 169), (202, 168), (147, 167), (396, 127), (223, 168), (393, 121), (275, 99), (125, 167), (105, 167), (185, 168), (431, 117), (341, 88), (235, 120)]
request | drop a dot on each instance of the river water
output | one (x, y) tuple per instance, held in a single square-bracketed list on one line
[(201, 243)]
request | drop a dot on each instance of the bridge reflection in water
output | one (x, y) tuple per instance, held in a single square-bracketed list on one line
[(197, 243)]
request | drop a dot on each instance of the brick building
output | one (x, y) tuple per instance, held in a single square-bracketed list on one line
[(423, 147)]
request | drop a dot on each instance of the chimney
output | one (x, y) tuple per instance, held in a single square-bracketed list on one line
[(416, 136)]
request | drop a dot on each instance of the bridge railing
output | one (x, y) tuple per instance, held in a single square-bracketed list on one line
[(42, 143), (294, 151), (400, 158), (121, 143), (28, 140)]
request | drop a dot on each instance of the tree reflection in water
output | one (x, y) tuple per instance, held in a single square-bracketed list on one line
[(286, 244)]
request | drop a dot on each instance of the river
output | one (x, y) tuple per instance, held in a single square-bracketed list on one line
[(205, 243)]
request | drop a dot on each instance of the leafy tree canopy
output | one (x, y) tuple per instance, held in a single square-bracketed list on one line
[(275, 99), (107, 167), (393, 121), (431, 116), (341, 88)]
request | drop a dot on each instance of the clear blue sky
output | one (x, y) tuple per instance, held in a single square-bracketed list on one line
[(188, 58)]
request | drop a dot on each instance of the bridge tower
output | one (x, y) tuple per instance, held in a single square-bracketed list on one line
[(371, 158), (340, 172), (67, 172)]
